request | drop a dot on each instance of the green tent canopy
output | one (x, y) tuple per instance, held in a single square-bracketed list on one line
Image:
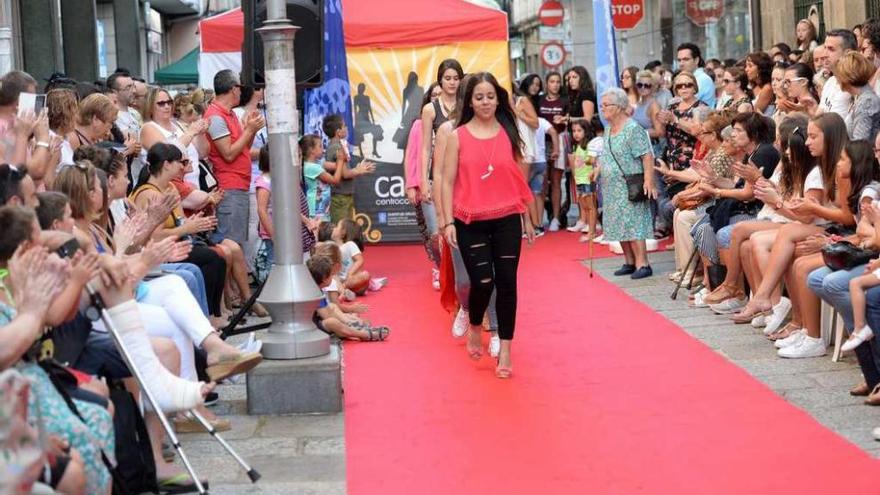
[(184, 71)]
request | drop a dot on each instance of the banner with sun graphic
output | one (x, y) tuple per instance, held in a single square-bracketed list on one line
[(387, 85)]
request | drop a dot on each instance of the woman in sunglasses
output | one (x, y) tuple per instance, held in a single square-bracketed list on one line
[(681, 141), (797, 84), (647, 108), (736, 86)]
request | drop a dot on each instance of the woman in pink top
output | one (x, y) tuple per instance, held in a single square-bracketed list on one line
[(484, 191), (425, 214)]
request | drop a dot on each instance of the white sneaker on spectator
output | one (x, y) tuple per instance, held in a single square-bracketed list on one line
[(729, 306), (435, 278), (759, 321), (780, 313), (791, 340), (876, 434), (554, 225), (808, 347), (494, 344), (461, 323), (697, 301), (376, 284), (578, 227), (857, 337)]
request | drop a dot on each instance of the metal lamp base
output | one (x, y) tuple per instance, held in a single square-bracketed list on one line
[(291, 297)]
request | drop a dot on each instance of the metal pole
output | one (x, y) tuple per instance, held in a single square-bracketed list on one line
[(290, 295)]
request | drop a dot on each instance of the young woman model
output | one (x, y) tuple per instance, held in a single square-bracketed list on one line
[(485, 199), (434, 114)]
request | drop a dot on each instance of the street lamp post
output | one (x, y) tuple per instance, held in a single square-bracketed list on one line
[(290, 294)]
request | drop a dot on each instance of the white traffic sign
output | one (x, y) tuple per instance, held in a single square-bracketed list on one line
[(553, 54)]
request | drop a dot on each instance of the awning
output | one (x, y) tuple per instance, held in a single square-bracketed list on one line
[(184, 71)]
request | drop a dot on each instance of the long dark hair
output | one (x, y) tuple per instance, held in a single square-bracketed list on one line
[(794, 154), (158, 154), (449, 63), (426, 98), (765, 66), (524, 85), (834, 132), (862, 172), (804, 70), (503, 112)]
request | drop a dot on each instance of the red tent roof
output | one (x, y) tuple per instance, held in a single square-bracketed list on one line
[(394, 23), (223, 32), (389, 23)]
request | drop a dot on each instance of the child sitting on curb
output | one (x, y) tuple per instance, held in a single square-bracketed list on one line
[(329, 318)]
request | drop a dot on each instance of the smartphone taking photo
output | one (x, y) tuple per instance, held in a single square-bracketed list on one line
[(31, 101)]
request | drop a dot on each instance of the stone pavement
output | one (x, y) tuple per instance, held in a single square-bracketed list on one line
[(818, 386), (301, 454)]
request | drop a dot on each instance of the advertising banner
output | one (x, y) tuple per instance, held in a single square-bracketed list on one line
[(388, 85)]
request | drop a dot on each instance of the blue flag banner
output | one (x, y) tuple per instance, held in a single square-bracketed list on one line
[(334, 96), (606, 49)]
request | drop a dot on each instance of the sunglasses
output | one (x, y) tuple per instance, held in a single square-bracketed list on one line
[(644, 85), (684, 86), (165, 103), (728, 81)]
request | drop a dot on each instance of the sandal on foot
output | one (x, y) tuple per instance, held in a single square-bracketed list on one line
[(377, 334), (475, 352), (750, 312), (233, 364), (784, 332), (180, 483), (503, 372)]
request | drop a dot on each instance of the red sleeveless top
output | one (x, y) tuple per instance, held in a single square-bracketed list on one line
[(489, 183)]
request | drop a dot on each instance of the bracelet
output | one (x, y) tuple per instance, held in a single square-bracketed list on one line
[(43, 144), (450, 224)]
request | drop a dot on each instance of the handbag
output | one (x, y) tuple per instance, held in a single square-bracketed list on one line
[(844, 255), (635, 183)]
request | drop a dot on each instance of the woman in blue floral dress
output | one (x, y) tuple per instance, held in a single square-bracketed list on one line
[(627, 151)]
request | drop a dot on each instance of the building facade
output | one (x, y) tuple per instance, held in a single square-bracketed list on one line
[(89, 39), (722, 28)]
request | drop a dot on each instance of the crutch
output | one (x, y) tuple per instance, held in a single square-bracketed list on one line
[(99, 306), (683, 273), (590, 253)]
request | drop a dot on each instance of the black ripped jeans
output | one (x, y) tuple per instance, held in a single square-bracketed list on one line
[(490, 250)]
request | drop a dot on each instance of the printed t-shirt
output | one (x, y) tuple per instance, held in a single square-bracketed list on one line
[(317, 191)]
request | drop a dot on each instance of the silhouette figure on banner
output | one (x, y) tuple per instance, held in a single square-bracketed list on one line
[(364, 123), (411, 109)]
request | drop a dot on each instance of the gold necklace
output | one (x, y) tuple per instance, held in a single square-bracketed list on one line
[(490, 168)]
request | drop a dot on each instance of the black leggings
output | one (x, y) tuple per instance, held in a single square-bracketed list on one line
[(490, 250), (213, 268)]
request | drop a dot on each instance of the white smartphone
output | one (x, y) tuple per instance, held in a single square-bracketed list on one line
[(31, 101)]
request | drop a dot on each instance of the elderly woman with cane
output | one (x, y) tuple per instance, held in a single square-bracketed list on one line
[(627, 178)]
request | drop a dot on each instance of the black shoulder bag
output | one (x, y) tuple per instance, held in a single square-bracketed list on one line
[(635, 183)]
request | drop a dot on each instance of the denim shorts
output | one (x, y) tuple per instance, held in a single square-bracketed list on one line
[(536, 176), (585, 188)]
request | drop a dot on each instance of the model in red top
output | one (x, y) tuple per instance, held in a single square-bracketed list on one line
[(484, 191)]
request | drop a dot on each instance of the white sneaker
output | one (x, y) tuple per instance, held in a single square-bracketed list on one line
[(554, 225), (808, 347), (578, 227), (729, 306), (698, 302), (793, 339), (780, 313), (461, 323), (876, 434), (857, 337), (759, 321), (435, 278), (494, 344)]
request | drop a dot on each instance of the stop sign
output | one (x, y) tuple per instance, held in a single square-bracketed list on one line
[(551, 13), (627, 14), (702, 12)]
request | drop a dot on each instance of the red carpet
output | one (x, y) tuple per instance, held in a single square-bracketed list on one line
[(608, 397)]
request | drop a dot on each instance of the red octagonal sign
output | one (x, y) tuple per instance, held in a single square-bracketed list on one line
[(702, 12), (627, 14)]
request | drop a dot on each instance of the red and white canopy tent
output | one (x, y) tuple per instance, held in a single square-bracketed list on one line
[(397, 24)]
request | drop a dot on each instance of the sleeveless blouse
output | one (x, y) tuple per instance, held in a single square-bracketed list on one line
[(641, 114), (175, 218), (439, 118), (489, 183)]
